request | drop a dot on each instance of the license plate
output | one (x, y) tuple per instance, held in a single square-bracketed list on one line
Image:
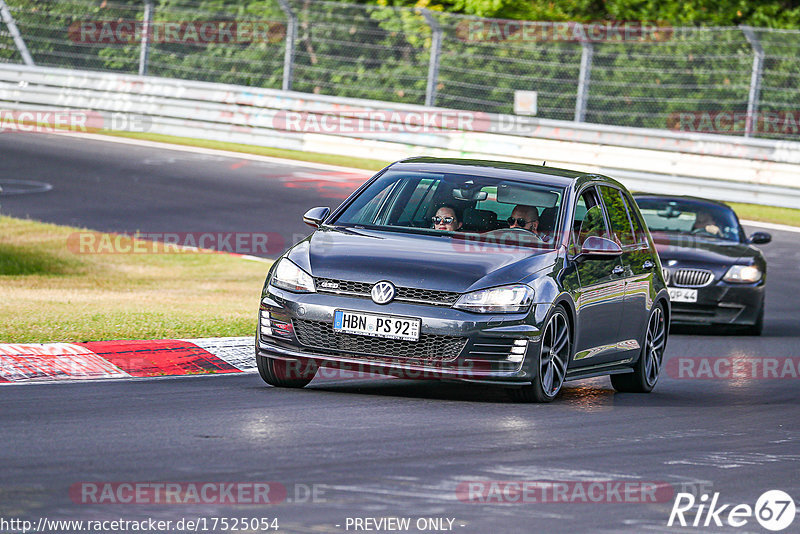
[(375, 325), (679, 294)]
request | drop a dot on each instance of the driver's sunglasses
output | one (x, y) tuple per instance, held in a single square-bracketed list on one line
[(440, 220), (519, 220)]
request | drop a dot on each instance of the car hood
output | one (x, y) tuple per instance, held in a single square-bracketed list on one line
[(690, 250), (412, 260)]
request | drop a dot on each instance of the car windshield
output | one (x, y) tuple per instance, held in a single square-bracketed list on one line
[(453, 205), (689, 217)]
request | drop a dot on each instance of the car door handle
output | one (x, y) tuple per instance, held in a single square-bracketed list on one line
[(619, 269), (647, 265)]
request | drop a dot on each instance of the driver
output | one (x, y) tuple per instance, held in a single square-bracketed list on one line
[(526, 217), (705, 223)]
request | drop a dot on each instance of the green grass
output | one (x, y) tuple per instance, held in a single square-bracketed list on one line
[(20, 260), (330, 159), (49, 292), (771, 214)]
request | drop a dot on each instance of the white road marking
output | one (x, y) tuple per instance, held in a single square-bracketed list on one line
[(772, 226)]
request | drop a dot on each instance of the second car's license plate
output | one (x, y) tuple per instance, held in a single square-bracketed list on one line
[(370, 324), (680, 294)]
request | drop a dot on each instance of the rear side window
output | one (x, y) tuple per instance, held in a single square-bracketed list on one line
[(503, 211), (638, 229), (618, 215)]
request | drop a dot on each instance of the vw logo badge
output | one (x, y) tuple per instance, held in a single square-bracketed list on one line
[(382, 292)]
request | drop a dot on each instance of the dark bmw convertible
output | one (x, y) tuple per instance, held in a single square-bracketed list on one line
[(508, 274), (716, 275)]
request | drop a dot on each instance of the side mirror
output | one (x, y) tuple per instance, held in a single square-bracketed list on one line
[(598, 248), (315, 216), (760, 238)]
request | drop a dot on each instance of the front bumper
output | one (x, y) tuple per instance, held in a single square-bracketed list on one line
[(453, 345), (721, 304)]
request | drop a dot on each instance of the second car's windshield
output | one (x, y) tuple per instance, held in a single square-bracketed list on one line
[(451, 204), (687, 217)]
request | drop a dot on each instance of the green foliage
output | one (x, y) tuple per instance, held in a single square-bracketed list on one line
[(369, 51)]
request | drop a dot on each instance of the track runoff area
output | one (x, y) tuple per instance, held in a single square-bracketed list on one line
[(109, 431)]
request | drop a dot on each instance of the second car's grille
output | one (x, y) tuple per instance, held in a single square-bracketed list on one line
[(429, 348), (690, 277), (404, 294)]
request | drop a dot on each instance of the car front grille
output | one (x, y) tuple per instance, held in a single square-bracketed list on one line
[(690, 277), (403, 294), (431, 348)]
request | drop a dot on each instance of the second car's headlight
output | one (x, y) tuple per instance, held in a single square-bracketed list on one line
[(743, 274), (289, 276), (506, 299)]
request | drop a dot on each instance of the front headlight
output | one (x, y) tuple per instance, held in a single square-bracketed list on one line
[(742, 274), (506, 299), (289, 276)]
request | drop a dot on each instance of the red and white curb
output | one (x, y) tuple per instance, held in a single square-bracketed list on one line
[(29, 362)]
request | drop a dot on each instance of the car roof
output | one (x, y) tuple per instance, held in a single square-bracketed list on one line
[(683, 198), (498, 169)]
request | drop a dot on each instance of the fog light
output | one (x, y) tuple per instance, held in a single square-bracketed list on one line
[(265, 328), (518, 351), (285, 328)]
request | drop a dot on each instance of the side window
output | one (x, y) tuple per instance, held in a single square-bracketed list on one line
[(368, 212), (638, 229), (588, 220), (618, 215), (580, 211), (415, 211)]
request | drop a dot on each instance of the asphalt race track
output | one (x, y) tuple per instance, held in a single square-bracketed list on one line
[(127, 188), (370, 448)]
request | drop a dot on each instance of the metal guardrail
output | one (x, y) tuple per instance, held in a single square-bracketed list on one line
[(722, 167)]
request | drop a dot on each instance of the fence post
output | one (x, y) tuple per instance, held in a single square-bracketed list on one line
[(147, 21), (587, 52), (433, 65), (755, 80), (288, 56), (14, 31)]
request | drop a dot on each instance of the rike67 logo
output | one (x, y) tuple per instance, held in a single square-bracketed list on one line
[(774, 510)]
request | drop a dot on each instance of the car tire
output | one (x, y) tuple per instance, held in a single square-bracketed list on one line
[(279, 373), (648, 366), (555, 352)]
